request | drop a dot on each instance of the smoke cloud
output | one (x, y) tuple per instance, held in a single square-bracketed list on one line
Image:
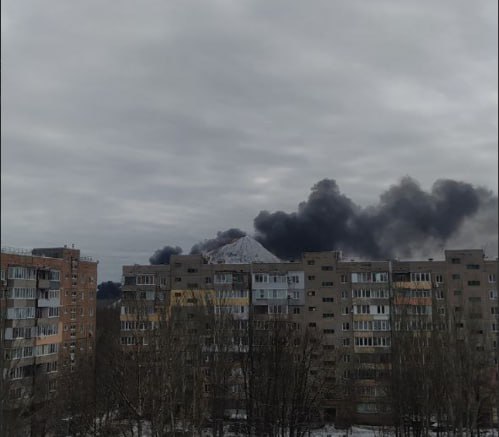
[(220, 240), (406, 220), (162, 256)]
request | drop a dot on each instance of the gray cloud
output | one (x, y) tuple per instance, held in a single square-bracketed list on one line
[(125, 127)]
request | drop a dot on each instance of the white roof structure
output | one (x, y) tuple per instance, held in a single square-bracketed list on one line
[(244, 250)]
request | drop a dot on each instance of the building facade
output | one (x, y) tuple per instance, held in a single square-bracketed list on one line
[(357, 308), (47, 309)]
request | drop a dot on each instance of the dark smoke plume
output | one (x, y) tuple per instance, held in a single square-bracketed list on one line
[(220, 240), (162, 256), (405, 221)]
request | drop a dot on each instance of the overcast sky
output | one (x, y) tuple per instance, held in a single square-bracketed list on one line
[(130, 125)]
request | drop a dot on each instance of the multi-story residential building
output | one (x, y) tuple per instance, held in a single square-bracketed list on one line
[(356, 308), (47, 310)]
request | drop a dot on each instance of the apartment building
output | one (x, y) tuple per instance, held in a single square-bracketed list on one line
[(355, 308), (47, 309)]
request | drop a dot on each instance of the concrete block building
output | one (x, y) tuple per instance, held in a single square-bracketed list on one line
[(356, 307), (47, 307)]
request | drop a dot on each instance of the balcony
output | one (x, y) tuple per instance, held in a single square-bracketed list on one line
[(43, 283), (49, 302), (413, 285)]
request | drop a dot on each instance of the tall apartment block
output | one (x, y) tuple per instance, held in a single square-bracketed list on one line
[(356, 307), (47, 310)]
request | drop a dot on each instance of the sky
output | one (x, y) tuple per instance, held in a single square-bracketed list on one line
[(128, 126)]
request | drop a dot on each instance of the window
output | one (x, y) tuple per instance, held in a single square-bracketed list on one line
[(310, 277), (55, 275), (53, 311), (455, 260), (327, 268), (473, 266), (420, 277), (361, 277), (192, 270), (380, 277), (345, 326), (441, 311), (345, 311), (492, 278), (275, 309), (344, 294), (312, 308), (327, 284), (343, 279), (328, 331), (327, 315), (457, 292), (224, 278), (22, 273), (439, 279), (456, 276), (52, 367), (310, 262), (20, 372), (328, 299), (145, 279), (381, 309), (177, 279), (293, 279), (439, 294), (311, 293), (346, 358), (346, 342), (21, 313), (296, 310), (207, 280), (21, 333), (493, 294), (473, 283), (494, 310), (260, 277), (22, 293), (46, 330), (47, 349), (312, 325), (127, 341), (364, 325), (362, 309)]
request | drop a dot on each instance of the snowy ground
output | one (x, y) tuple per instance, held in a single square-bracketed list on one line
[(359, 431)]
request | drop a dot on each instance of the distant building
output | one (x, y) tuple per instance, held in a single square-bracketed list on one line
[(47, 310), (355, 306)]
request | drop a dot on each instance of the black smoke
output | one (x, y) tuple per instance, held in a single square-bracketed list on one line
[(220, 240), (162, 256), (109, 290), (405, 221)]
